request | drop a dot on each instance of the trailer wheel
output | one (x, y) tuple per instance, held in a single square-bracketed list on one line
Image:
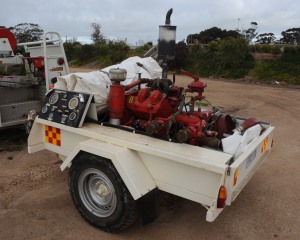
[(100, 194)]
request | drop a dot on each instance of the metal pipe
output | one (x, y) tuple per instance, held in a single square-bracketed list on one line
[(177, 113), (168, 17)]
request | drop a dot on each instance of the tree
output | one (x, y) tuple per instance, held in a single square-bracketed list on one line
[(265, 38), (181, 53), (211, 34), (250, 33), (192, 38), (96, 35), (70, 46), (27, 32), (233, 52), (291, 36)]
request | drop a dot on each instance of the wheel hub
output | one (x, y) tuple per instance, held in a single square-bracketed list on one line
[(97, 192), (102, 189)]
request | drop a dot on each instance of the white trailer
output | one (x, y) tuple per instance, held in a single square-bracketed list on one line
[(114, 168)]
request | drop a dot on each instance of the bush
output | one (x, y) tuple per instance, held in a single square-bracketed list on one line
[(233, 52), (265, 48), (70, 50), (181, 52), (118, 51), (104, 54), (228, 58), (276, 49), (286, 69)]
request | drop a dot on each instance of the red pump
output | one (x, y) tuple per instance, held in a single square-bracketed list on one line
[(159, 110)]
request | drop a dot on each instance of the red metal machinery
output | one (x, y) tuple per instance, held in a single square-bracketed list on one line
[(160, 109)]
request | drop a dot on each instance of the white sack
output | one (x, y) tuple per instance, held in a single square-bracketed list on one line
[(150, 69), (231, 143), (96, 83), (236, 144)]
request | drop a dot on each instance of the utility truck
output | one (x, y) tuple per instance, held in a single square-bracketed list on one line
[(24, 80)]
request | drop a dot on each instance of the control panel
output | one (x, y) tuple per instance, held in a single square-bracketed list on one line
[(66, 107)]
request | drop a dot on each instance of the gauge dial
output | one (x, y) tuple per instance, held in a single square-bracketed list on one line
[(72, 116), (73, 103), (44, 109), (53, 98)]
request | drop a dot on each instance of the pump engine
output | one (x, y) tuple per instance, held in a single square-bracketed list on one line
[(161, 109)]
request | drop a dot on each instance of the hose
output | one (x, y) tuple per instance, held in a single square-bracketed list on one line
[(168, 17)]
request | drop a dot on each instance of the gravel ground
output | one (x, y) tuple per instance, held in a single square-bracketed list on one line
[(35, 202)]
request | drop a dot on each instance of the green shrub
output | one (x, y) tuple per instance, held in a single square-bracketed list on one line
[(276, 49), (228, 58), (266, 48), (286, 69), (118, 51)]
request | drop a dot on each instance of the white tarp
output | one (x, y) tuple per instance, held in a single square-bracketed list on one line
[(98, 82), (236, 144), (95, 83), (150, 68)]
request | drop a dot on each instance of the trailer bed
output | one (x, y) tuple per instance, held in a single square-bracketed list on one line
[(192, 172)]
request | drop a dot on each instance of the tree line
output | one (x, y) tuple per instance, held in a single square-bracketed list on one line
[(289, 36), (27, 32), (213, 52)]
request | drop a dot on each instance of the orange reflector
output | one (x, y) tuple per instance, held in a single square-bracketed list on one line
[(222, 197)]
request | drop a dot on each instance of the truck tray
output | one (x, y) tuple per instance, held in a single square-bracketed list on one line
[(18, 81)]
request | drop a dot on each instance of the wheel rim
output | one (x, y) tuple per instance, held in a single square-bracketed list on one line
[(97, 192)]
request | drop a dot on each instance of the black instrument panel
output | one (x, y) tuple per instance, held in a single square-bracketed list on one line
[(65, 107)]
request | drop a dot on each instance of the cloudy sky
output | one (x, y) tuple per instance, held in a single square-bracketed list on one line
[(138, 21)]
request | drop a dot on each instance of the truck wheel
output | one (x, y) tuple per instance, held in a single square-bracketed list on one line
[(100, 194)]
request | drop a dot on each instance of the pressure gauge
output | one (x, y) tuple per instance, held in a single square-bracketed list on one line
[(44, 109), (72, 116), (73, 103), (53, 98)]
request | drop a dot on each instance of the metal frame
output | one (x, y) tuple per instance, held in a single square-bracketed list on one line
[(144, 163)]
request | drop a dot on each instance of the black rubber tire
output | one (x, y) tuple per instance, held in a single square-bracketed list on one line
[(122, 211)]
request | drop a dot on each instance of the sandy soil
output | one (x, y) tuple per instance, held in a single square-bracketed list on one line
[(35, 202)]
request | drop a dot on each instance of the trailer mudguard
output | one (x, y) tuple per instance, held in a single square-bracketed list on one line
[(127, 162)]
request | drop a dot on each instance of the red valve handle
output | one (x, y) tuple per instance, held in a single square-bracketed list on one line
[(196, 78)]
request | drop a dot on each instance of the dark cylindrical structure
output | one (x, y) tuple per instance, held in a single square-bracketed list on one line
[(166, 42), (167, 39)]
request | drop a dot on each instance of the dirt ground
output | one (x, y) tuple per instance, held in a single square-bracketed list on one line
[(35, 202)]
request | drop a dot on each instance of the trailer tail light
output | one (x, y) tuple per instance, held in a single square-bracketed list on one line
[(222, 197), (60, 61)]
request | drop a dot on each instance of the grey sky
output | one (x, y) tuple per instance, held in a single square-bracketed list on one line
[(139, 20)]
